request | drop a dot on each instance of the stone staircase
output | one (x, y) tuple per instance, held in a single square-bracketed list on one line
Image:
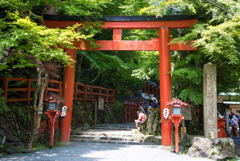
[(116, 134)]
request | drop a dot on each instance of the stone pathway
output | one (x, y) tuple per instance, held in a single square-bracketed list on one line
[(82, 151)]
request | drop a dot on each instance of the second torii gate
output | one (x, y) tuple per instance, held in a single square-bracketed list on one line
[(117, 23)]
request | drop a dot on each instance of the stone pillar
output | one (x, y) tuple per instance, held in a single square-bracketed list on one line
[(210, 100)]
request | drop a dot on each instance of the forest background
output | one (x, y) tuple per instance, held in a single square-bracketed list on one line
[(29, 48)]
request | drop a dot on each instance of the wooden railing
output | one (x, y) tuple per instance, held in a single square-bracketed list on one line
[(88, 92), (81, 91), (131, 107)]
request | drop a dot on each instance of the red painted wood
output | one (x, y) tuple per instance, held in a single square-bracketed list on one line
[(125, 114), (165, 81), (85, 93), (129, 114), (52, 115), (113, 95), (176, 120), (91, 95), (132, 114), (148, 89), (52, 89), (145, 87), (28, 91), (147, 45), (68, 86), (157, 94), (179, 24), (117, 34)]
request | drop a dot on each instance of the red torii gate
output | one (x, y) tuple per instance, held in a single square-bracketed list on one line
[(117, 23)]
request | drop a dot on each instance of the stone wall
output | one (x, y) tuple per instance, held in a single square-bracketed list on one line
[(83, 113)]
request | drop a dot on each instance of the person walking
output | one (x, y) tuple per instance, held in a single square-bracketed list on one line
[(234, 124), (141, 108)]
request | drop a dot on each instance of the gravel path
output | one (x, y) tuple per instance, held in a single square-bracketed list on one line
[(97, 151)]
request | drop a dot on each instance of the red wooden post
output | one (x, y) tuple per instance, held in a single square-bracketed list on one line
[(52, 134), (100, 91), (132, 112), (85, 92), (69, 75), (145, 87), (176, 121), (28, 90), (75, 90), (153, 90), (125, 114), (107, 97), (129, 114), (165, 80), (113, 93), (91, 91), (157, 94), (148, 89)]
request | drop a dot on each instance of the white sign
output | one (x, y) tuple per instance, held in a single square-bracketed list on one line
[(166, 113), (64, 109)]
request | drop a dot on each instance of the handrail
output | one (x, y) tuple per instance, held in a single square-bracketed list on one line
[(78, 94)]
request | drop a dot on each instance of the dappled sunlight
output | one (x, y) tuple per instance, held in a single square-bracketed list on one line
[(98, 151)]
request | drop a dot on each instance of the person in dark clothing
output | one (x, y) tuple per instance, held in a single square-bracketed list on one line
[(154, 105)]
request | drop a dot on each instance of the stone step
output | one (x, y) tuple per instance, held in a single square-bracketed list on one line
[(113, 128), (110, 141), (108, 133), (102, 137)]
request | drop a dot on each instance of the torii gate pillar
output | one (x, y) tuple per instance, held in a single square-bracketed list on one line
[(68, 85), (165, 80)]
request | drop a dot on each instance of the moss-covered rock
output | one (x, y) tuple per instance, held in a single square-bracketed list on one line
[(152, 124), (221, 148)]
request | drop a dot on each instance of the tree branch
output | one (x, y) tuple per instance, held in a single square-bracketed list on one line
[(96, 77), (219, 6)]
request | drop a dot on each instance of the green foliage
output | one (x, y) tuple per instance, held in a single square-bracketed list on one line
[(105, 62), (3, 106)]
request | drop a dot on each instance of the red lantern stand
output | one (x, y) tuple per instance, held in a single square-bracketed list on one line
[(153, 87), (149, 85), (157, 89), (176, 117), (53, 112)]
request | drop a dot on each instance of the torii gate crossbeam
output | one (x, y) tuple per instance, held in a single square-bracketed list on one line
[(117, 23)]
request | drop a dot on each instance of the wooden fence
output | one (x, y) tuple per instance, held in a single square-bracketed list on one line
[(81, 91)]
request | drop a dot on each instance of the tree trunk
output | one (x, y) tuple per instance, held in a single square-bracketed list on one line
[(37, 104)]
